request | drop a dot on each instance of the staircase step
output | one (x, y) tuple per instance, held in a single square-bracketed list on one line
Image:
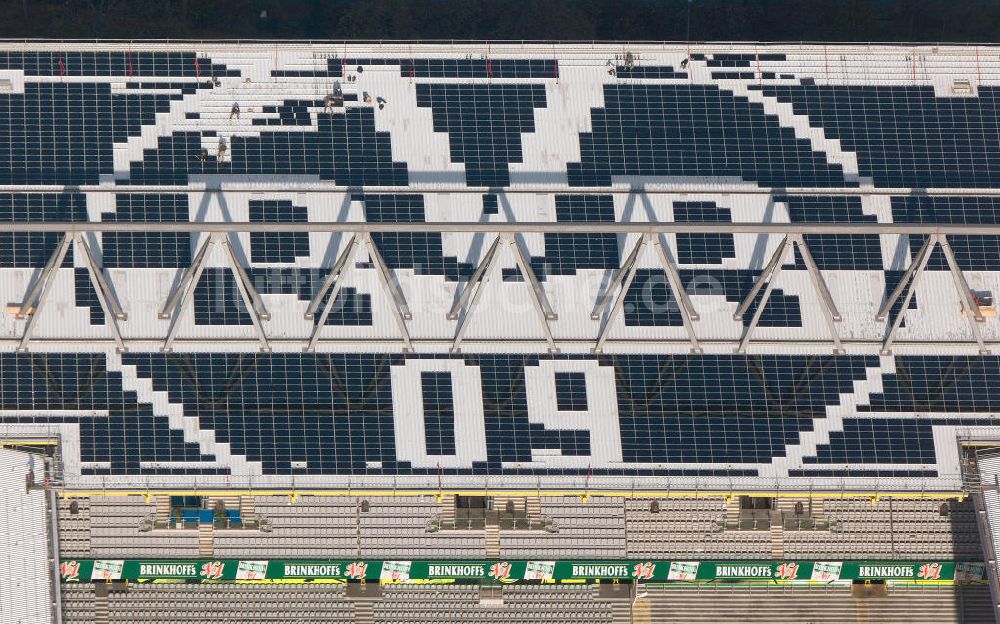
[(206, 541), (492, 541)]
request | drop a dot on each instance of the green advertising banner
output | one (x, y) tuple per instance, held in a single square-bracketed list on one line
[(88, 570)]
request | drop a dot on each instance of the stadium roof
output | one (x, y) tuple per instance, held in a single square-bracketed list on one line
[(500, 265)]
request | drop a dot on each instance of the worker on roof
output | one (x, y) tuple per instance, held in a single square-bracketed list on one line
[(203, 156), (222, 150), (235, 110), (381, 102), (331, 102)]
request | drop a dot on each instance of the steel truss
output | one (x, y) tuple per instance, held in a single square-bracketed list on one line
[(609, 303)]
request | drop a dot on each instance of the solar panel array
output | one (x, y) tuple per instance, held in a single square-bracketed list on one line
[(149, 137)]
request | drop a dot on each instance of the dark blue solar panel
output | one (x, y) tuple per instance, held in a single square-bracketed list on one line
[(694, 130), (439, 413), (939, 384), (703, 248), (290, 113), (490, 204), (55, 383), (946, 209), (743, 75), (419, 251), (650, 301), (862, 473), (334, 411), (462, 68), (350, 308), (33, 249), (904, 136), (649, 72), (277, 247), (571, 391), (725, 408), (345, 148), (145, 250), (878, 441), (109, 63), (565, 253), (217, 300), (861, 252), (86, 296), (974, 253), (63, 133), (484, 123)]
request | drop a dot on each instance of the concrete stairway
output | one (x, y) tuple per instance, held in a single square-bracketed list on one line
[(206, 540)]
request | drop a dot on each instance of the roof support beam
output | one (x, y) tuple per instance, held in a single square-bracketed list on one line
[(39, 291), (170, 305), (542, 302), (830, 312), (175, 307), (604, 299), (341, 269), (536, 227), (477, 283), (105, 296), (898, 290), (688, 314), (538, 298), (770, 274), (183, 291), (969, 304), (482, 275), (258, 308), (330, 278), (400, 309), (100, 282), (477, 277), (772, 264), (624, 277), (251, 298), (914, 274), (55, 260)]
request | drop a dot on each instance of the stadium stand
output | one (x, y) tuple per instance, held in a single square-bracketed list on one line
[(499, 332)]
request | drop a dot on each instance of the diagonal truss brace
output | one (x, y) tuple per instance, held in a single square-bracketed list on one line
[(624, 277), (909, 282), (342, 267), (174, 307), (105, 295), (400, 309), (335, 280), (484, 273), (831, 315), (39, 291)]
